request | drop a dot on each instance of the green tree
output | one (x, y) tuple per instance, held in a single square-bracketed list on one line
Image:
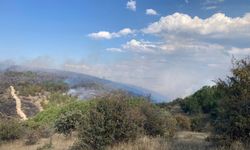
[(233, 116), (204, 100)]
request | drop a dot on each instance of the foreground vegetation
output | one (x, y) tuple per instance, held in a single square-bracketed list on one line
[(215, 117)]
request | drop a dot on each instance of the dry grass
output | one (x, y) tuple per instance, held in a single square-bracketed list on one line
[(59, 142), (189, 136), (144, 143), (147, 143), (182, 141)]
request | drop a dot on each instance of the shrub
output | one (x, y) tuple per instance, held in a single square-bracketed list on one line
[(198, 123), (68, 121), (233, 116), (158, 122), (183, 122), (10, 130), (109, 122), (48, 117), (32, 137)]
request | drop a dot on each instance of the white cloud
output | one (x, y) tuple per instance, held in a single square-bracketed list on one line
[(191, 47), (139, 46), (109, 35), (216, 26), (186, 1), (124, 32), (189, 52), (240, 51), (151, 12), (101, 35), (169, 46), (114, 50), (131, 4)]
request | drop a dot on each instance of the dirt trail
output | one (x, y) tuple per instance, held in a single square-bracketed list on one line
[(18, 104)]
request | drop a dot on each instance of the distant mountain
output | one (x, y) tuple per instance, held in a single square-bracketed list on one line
[(87, 86)]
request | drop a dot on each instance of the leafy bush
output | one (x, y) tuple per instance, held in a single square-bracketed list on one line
[(198, 123), (233, 116), (46, 117), (183, 122), (158, 122), (68, 121), (109, 122), (10, 130)]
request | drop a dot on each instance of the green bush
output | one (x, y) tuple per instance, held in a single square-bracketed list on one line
[(158, 122), (46, 117), (109, 122), (68, 121), (10, 130), (233, 115)]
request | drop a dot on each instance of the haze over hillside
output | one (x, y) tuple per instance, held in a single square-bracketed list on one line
[(170, 47), (85, 86)]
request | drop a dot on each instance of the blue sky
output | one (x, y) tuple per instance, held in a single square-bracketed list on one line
[(170, 46)]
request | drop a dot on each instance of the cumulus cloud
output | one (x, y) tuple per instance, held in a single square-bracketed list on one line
[(109, 35), (189, 52), (101, 35), (216, 26), (151, 12), (139, 46), (168, 46), (131, 4), (185, 53)]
